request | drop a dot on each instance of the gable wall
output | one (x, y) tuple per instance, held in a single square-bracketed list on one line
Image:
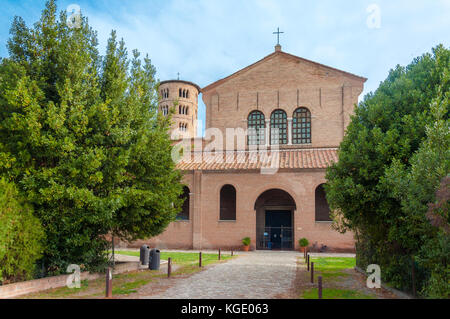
[(286, 83)]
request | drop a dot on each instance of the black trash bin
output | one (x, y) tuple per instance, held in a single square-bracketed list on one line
[(154, 260), (144, 255)]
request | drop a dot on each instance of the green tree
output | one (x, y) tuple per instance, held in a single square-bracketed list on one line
[(388, 127), (415, 187), (81, 137), (21, 236)]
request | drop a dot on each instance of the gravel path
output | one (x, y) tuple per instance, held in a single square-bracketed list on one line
[(256, 275)]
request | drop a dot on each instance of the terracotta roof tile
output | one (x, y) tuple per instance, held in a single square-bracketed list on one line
[(252, 160)]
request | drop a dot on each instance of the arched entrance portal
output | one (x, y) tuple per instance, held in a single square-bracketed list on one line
[(275, 220)]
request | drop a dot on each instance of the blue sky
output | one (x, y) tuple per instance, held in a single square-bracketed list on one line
[(206, 40)]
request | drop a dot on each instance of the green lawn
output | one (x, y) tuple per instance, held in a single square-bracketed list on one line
[(328, 293), (331, 268), (334, 263), (182, 258), (334, 271)]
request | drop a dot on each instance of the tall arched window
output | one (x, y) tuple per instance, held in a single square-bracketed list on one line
[(187, 110), (301, 126), (322, 208), (256, 128), (228, 203), (184, 214), (278, 128), (180, 93)]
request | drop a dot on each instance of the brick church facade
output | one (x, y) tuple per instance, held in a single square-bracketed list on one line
[(293, 109)]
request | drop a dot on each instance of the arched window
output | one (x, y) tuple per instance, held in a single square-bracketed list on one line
[(322, 208), (187, 110), (180, 93), (183, 127), (179, 109), (301, 126), (167, 93), (256, 128), (228, 203), (187, 94), (184, 214), (278, 120)]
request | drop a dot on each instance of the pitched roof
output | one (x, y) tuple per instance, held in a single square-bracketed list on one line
[(254, 160), (270, 56)]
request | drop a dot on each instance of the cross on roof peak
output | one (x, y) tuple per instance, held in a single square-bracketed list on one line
[(278, 35)]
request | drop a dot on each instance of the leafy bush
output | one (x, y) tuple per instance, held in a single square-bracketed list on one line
[(21, 236)]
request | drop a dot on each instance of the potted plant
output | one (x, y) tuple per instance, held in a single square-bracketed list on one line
[(303, 243), (246, 242)]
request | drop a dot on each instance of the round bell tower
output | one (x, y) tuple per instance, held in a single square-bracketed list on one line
[(182, 96)]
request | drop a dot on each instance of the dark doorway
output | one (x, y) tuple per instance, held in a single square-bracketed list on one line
[(278, 230), (275, 220)]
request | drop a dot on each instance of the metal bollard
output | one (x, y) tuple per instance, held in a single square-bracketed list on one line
[(231, 252), (320, 287), (169, 267), (312, 272), (108, 283), (307, 260), (200, 260), (219, 253)]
